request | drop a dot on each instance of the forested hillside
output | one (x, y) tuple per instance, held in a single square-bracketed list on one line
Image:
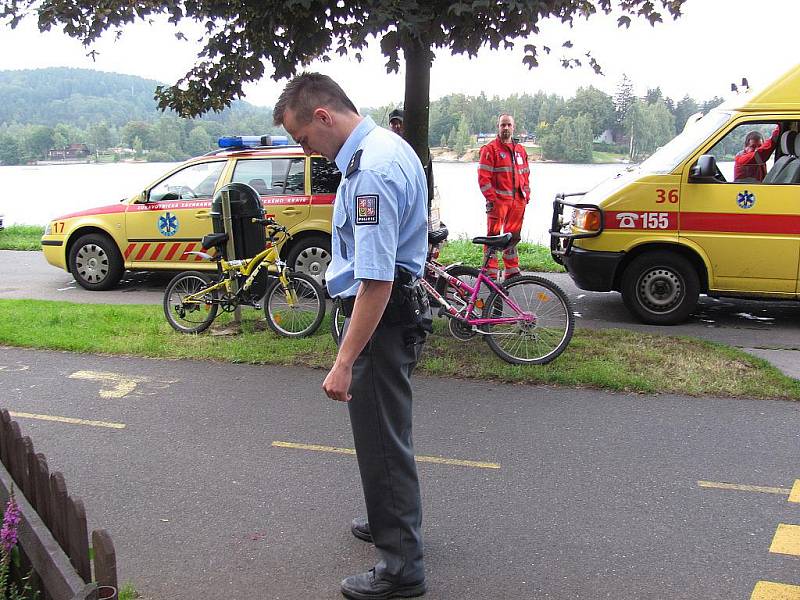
[(50, 108), (116, 117), (77, 97)]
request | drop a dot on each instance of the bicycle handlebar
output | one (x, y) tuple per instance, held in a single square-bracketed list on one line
[(273, 225), (269, 222)]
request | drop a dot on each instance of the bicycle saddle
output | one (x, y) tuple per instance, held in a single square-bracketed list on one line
[(214, 239), (438, 236), (493, 241)]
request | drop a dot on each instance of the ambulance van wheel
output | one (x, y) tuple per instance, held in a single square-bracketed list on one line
[(660, 288), (95, 262)]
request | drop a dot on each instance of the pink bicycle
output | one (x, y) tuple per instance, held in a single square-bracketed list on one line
[(525, 320)]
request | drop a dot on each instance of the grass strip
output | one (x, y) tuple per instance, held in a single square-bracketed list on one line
[(532, 257), (611, 359), (21, 237)]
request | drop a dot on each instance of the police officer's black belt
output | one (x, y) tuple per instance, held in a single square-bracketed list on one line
[(402, 287)]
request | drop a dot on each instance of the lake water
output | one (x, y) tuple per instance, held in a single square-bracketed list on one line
[(34, 195)]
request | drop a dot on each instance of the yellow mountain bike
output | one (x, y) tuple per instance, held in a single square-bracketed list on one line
[(294, 303)]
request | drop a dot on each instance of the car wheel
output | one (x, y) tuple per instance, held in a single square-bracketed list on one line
[(311, 256), (660, 288), (95, 262)]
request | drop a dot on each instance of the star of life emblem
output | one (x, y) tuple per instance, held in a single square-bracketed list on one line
[(168, 224), (746, 199)]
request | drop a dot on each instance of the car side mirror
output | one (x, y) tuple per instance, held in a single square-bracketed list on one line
[(704, 171)]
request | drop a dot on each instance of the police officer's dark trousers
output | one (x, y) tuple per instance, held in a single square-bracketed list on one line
[(380, 415)]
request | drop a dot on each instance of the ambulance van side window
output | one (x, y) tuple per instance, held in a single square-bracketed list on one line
[(748, 152)]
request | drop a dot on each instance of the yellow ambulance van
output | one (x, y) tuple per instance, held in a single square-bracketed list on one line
[(160, 228), (715, 211)]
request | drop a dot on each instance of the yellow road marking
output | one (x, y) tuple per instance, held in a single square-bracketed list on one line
[(429, 459), (768, 590), (70, 420), (794, 496), (786, 540), (744, 488), (120, 386)]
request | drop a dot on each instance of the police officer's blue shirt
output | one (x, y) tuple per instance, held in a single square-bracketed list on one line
[(380, 216)]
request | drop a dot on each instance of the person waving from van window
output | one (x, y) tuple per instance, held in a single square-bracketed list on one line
[(750, 163)]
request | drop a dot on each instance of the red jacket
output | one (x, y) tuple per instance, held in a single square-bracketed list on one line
[(749, 164), (503, 172)]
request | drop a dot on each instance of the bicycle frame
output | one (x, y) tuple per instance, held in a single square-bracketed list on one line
[(249, 267), (473, 297)]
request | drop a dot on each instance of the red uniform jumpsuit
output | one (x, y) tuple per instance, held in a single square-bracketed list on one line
[(503, 175), (749, 164)]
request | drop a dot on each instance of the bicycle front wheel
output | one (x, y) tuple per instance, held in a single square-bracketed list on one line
[(189, 317), (295, 312), (542, 327)]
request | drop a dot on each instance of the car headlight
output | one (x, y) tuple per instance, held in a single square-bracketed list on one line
[(48, 229), (587, 219)]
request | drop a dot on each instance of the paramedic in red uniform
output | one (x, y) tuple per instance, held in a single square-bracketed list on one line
[(750, 162), (503, 178)]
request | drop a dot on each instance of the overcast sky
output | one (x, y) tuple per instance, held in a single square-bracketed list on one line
[(713, 44)]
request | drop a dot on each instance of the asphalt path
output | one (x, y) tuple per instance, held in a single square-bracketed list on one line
[(768, 329), (585, 494)]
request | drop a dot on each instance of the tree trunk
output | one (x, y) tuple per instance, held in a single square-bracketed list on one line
[(418, 58)]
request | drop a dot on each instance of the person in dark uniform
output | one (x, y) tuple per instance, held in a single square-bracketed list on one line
[(378, 252), (396, 121)]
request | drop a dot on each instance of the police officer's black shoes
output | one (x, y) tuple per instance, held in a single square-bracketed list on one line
[(367, 586), (360, 529)]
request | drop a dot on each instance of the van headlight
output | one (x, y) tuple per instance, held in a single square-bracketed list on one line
[(587, 219)]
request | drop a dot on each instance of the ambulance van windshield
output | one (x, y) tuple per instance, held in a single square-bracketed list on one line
[(671, 154)]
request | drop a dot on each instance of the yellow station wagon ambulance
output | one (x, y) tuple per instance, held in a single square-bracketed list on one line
[(689, 221), (160, 227)]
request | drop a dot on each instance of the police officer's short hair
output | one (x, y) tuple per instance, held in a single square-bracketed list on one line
[(307, 92)]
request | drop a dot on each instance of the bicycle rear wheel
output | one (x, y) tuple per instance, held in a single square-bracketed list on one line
[(192, 317), (543, 330), (296, 312), (456, 296)]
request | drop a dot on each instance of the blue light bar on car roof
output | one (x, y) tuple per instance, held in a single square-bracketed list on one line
[(251, 141)]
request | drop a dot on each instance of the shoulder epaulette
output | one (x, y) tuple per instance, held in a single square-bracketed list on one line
[(355, 164)]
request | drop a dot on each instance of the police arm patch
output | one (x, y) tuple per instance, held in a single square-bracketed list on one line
[(367, 209)]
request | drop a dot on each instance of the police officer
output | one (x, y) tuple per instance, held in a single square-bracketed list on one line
[(378, 251)]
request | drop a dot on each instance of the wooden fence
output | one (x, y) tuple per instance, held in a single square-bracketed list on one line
[(53, 535)]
